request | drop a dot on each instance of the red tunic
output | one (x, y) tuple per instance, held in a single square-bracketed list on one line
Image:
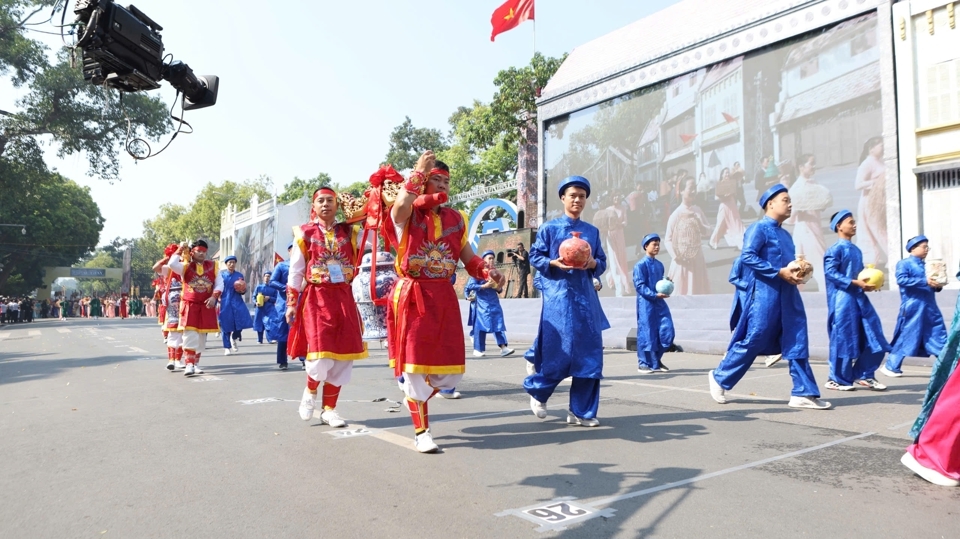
[(327, 324), (198, 282), (425, 335)]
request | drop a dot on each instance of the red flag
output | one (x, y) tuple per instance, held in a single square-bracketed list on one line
[(730, 119), (277, 259), (687, 138), (510, 15)]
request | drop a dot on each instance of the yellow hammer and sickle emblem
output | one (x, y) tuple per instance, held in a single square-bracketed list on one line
[(509, 15)]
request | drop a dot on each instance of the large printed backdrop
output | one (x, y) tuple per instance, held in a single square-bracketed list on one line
[(805, 113), (255, 252)]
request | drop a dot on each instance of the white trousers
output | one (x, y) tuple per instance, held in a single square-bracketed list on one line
[(419, 387), (175, 339), (193, 340), (330, 371)]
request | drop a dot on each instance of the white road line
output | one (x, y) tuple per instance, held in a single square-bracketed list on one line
[(901, 425), (675, 484), (34, 333), (109, 338), (135, 349), (4, 334), (692, 390), (63, 330)]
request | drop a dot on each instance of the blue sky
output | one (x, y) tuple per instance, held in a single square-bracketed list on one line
[(317, 86)]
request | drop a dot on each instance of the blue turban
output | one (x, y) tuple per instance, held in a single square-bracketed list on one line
[(839, 218), (579, 181), (650, 237), (487, 252), (913, 242), (290, 246), (229, 258), (770, 193)]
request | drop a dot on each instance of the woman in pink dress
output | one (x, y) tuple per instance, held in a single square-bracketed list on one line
[(683, 240), (729, 224), (872, 208), (616, 246)]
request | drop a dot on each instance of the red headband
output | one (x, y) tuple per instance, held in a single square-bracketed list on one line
[(324, 190), (439, 172), (200, 248)]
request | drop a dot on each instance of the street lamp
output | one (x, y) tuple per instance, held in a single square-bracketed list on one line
[(23, 230)]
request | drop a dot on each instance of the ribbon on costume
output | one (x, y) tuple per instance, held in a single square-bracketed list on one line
[(410, 296)]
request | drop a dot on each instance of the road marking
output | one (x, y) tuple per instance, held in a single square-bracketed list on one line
[(260, 401), (63, 330), (109, 338), (692, 390), (34, 333), (135, 349), (206, 379), (901, 425), (4, 335), (558, 513), (343, 434), (652, 490)]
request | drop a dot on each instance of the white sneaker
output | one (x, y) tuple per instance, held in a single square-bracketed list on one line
[(197, 369), (531, 368), (332, 418), (715, 390), (932, 476), (424, 443), (574, 420), (810, 403), (539, 408), (891, 374), (307, 404), (227, 351), (189, 371), (235, 347), (772, 360), (504, 352), (455, 395), (478, 353), (170, 366), (178, 365)]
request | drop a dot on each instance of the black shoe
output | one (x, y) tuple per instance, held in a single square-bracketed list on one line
[(283, 366), (663, 368)]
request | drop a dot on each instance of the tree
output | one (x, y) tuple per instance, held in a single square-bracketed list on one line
[(408, 142), (79, 117), (297, 187), (62, 220)]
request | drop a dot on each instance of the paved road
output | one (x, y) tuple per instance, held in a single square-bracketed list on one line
[(100, 441)]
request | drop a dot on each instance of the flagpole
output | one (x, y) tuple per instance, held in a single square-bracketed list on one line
[(534, 21)]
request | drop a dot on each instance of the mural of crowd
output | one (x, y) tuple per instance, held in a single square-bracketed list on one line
[(689, 158)]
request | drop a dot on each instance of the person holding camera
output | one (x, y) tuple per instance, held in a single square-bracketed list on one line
[(521, 259)]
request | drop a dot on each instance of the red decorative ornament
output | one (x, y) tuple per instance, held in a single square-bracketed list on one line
[(575, 252), (240, 287)]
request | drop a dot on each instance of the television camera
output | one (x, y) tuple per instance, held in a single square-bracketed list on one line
[(122, 48)]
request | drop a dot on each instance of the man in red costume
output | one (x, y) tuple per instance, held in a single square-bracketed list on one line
[(425, 333), (322, 314), (202, 286), (171, 288)]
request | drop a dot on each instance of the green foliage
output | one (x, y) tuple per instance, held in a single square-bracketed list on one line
[(62, 220), (59, 104), (298, 186), (408, 142)]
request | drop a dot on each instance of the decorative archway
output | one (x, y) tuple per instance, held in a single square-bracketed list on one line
[(496, 225)]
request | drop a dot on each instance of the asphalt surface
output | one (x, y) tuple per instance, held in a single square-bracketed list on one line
[(99, 440)]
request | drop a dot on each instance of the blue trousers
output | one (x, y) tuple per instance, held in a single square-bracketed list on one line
[(480, 339), (846, 371), (584, 393), (735, 364), (649, 359), (260, 337), (281, 352), (226, 335)]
